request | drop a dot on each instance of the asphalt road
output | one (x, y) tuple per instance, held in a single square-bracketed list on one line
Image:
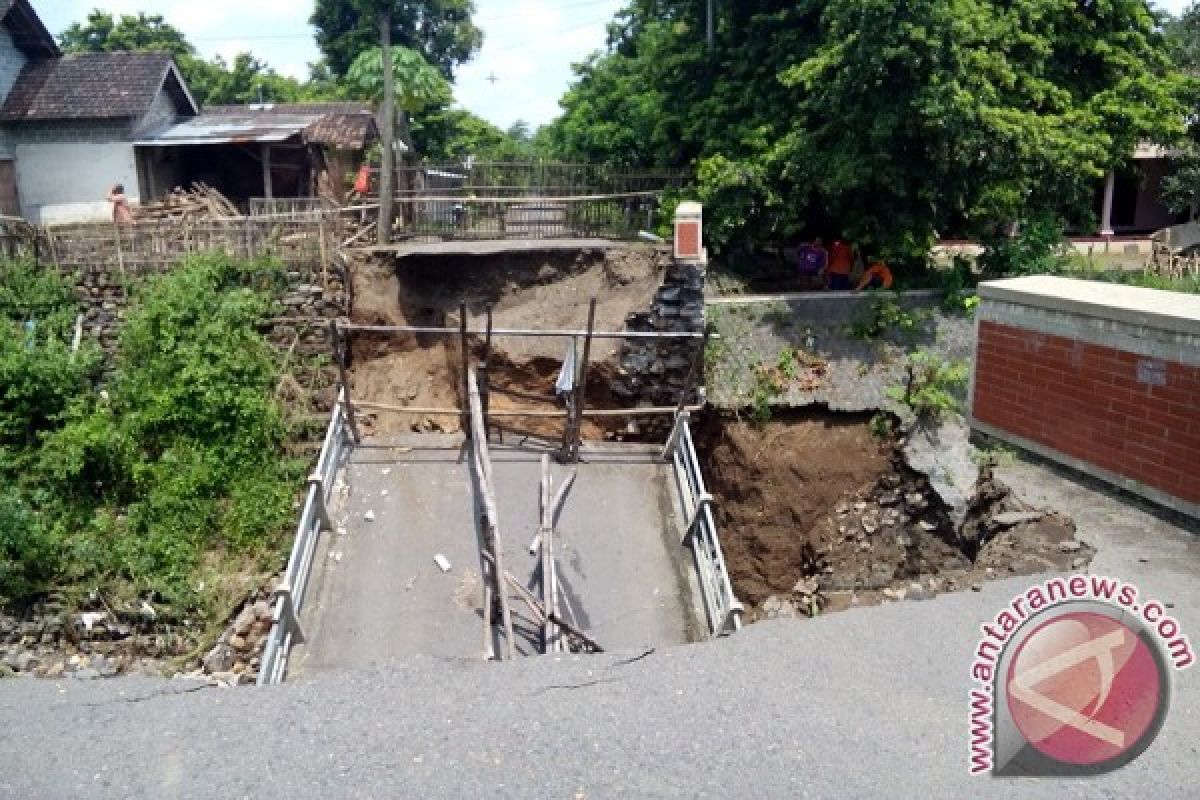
[(866, 703), (381, 598)]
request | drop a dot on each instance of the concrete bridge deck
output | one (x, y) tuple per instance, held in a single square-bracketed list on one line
[(378, 597)]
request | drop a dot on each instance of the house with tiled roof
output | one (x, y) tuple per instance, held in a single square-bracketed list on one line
[(73, 126), (68, 123)]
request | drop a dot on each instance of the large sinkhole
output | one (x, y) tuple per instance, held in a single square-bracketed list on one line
[(819, 512)]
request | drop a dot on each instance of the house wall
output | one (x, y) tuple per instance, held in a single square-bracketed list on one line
[(12, 61), (161, 115), (1104, 379), (65, 169)]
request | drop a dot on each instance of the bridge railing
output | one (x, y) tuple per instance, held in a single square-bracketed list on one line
[(314, 519), (720, 603), (448, 215)]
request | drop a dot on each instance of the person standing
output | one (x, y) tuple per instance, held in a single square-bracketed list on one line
[(877, 276), (841, 264), (122, 213), (810, 259)]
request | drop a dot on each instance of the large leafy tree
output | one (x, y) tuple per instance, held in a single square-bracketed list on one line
[(440, 30), (883, 121), (212, 82)]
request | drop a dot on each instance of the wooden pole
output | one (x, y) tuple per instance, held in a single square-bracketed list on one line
[(547, 555), (268, 185), (487, 374), (581, 389), (541, 611), (600, 413), (466, 365), (483, 470), (339, 356), (387, 177), (521, 332)]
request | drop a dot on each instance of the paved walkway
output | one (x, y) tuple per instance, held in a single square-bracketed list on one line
[(380, 598)]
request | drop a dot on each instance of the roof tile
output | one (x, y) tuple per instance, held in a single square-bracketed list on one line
[(87, 86)]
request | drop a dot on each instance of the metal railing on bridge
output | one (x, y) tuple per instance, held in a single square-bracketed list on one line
[(586, 216), (720, 603), (314, 519)]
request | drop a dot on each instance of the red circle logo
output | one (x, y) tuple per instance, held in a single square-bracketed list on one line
[(1084, 688)]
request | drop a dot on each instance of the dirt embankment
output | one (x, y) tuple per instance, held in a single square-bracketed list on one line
[(816, 512), (524, 291)]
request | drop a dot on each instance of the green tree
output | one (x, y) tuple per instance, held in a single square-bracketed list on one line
[(440, 30), (881, 121), (452, 134), (104, 33), (1181, 187)]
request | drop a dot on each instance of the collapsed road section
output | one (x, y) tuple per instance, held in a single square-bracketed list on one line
[(480, 545)]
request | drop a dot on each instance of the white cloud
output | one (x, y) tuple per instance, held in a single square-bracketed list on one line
[(529, 45)]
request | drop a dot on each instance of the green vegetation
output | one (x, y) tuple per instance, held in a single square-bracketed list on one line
[(168, 480), (932, 384), (440, 30), (885, 315), (880, 121)]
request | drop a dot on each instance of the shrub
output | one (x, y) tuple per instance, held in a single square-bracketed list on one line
[(932, 384), (141, 490), (29, 553), (1038, 248)]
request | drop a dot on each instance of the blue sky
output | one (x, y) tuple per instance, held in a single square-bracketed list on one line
[(529, 44)]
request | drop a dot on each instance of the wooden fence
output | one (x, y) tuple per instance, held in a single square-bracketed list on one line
[(301, 242)]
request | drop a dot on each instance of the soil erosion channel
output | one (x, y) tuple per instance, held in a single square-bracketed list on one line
[(538, 291)]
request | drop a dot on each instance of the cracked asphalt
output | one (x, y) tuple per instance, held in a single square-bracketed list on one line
[(865, 703)]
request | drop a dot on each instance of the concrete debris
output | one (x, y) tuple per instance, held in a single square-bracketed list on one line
[(1010, 519), (942, 451), (442, 562), (369, 516), (1070, 546)]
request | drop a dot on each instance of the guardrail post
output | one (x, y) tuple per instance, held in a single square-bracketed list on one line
[(322, 512), (704, 501), (681, 419), (288, 617), (733, 619)]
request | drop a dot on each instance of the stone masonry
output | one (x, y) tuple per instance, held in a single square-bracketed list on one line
[(656, 372)]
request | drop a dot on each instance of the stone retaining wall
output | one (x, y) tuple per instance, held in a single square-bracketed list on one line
[(1102, 378), (656, 372)]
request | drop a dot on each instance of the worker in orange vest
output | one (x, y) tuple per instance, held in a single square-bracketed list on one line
[(877, 276), (841, 264)]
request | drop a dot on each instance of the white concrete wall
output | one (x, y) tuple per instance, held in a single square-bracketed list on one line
[(64, 182)]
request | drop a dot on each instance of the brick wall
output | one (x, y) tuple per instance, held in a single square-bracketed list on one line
[(1119, 398)]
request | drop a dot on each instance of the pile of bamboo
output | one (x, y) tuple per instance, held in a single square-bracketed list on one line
[(201, 201)]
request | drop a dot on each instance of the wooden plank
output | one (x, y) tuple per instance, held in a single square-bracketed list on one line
[(483, 468), (339, 357)]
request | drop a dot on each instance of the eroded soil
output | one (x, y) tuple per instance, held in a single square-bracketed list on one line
[(816, 513), (523, 291)]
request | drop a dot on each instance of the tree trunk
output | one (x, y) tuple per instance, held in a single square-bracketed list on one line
[(387, 177)]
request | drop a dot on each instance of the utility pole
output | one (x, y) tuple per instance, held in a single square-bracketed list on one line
[(387, 177)]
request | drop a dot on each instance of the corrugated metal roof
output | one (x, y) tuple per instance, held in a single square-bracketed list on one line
[(328, 124), (228, 128)]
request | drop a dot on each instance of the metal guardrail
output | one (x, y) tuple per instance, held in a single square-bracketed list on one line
[(314, 519), (602, 216), (721, 604)]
